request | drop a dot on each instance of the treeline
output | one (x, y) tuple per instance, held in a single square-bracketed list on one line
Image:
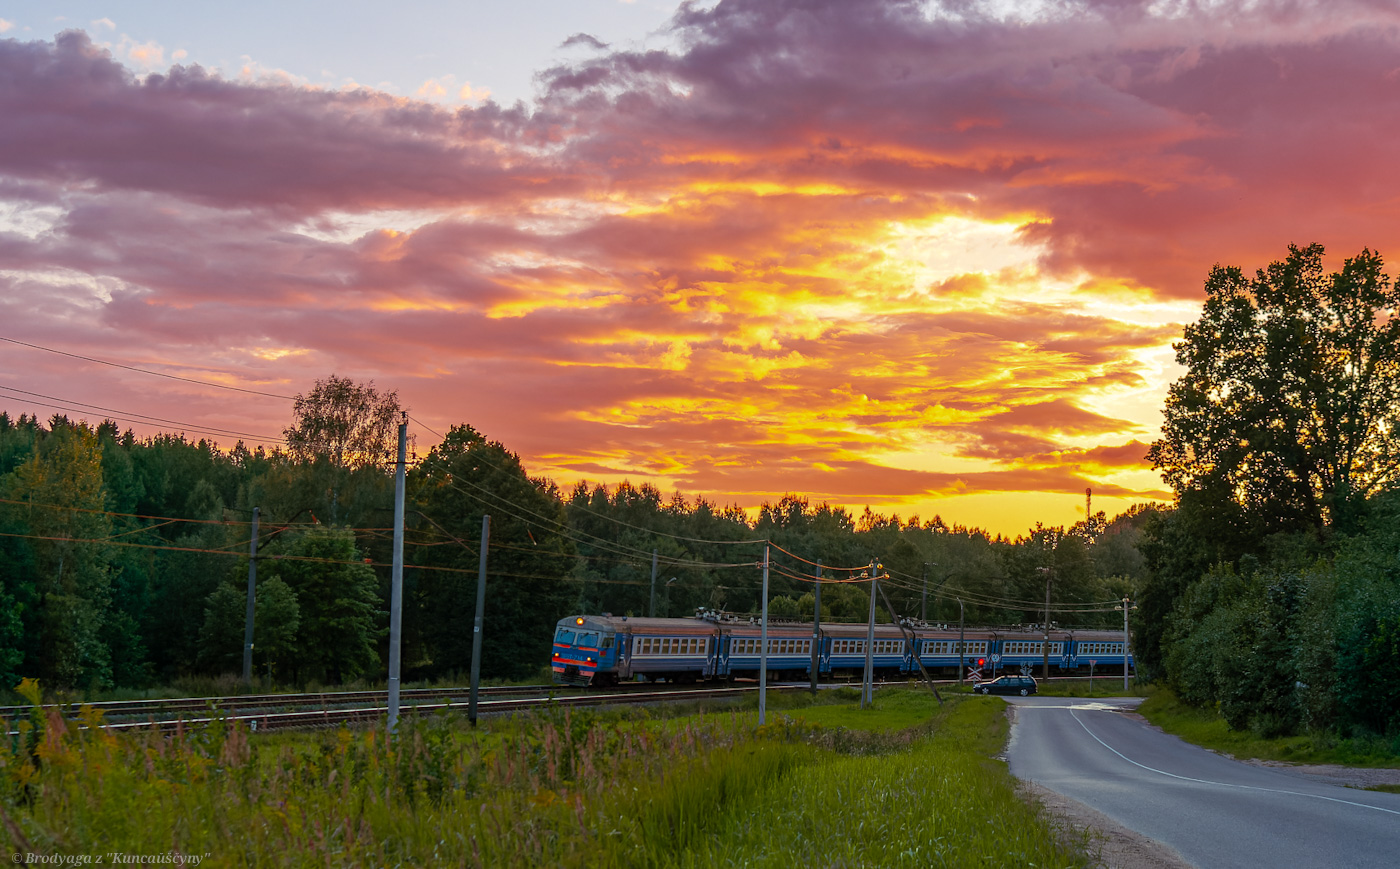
[(124, 560), (1274, 590)]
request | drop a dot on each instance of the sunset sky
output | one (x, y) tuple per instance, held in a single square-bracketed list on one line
[(926, 257)]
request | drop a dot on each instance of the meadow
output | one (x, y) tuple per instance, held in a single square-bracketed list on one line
[(908, 782)]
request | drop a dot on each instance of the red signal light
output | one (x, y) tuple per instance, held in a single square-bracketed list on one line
[(981, 661)]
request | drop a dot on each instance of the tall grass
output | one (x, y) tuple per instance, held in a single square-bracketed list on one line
[(1205, 727), (937, 802), (569, 789)]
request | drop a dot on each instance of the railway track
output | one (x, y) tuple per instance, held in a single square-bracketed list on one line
[(233, 709), (266, 712), (174, 707)]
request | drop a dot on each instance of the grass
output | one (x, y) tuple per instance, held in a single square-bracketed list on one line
[(907, 783), (1204, 727)]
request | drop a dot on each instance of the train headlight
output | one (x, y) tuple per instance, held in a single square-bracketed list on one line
[(579, 620)]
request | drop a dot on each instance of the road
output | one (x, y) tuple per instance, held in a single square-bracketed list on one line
[(1214, 811)]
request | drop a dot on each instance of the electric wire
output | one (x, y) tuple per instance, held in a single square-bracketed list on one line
[(147, 371), (613, 519), (77, 407)]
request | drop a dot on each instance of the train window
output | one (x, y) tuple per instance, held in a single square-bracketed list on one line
[(588, 640), (565, 636), (607, 642)]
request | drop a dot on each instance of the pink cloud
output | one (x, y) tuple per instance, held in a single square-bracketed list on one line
[(688, 263)]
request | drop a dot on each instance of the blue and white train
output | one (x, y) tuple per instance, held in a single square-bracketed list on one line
[(605, 650)]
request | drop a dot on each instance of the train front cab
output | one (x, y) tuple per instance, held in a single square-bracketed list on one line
[(585, 652)]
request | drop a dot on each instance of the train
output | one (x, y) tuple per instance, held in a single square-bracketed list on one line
[(606, 650)]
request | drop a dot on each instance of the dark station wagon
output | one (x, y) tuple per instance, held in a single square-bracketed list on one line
[(1022, 685)]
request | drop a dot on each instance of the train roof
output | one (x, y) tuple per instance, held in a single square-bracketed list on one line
[(848, 629), (639, 623)]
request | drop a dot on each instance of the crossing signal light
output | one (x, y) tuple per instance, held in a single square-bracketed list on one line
[(981, 662)]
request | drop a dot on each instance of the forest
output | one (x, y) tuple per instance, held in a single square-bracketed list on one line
[(125, 560)]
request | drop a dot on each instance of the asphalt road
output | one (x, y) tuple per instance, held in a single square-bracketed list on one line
[(1215, 812)]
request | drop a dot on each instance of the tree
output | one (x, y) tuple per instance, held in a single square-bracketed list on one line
[(350, 424), (343, 432), (1290, 405), (64, 503), (337, 601), (276, 618)]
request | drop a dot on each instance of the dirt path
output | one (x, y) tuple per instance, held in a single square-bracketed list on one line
[(1112, 844)]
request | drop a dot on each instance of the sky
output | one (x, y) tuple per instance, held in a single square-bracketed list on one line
[(926, 257)]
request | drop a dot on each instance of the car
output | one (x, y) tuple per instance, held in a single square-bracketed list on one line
[(1022, 685)]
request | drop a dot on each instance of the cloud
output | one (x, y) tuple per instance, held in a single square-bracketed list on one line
[(232, 145), (875, 252), (447, 90), (586, 40)]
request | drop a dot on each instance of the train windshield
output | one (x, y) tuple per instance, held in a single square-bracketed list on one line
[(565, 636), (589, 640)]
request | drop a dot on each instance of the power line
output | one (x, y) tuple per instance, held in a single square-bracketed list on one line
[(815, 564), (303, 558), (613, 519), (127, 415), (147, 371)]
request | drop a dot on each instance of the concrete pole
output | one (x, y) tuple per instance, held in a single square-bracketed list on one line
[(396, 581), (1126, 603), (867, 691), (252, 597), (763, 646), (480, 619), (816, 629), (962, 645), (651, 611), (1045, 649)]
